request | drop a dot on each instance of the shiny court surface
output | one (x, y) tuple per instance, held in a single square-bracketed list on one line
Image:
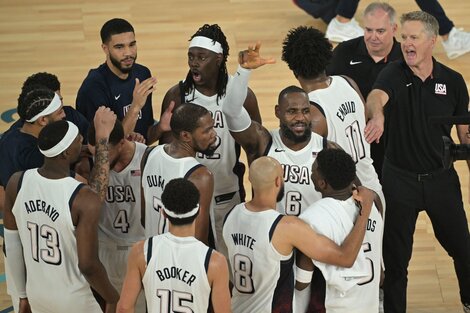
[(62, 37)]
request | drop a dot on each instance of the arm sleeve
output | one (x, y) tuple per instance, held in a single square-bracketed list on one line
[(462, 98), (389, 79), (14, 262), (237, 117)]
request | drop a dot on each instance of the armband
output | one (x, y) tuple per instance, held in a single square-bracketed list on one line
[(303, 276)]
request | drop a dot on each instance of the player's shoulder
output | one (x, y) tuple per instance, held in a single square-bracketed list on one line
[(141, 70)]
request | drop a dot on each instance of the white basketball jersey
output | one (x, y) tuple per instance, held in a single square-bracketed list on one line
[(42, 212), (159, 169), (224, 163), (297, 165), (345, 116), (335, 220), (262, 277), (120, 216), (175, 279)]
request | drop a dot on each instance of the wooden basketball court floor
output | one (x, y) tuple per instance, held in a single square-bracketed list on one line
[(62, 37)]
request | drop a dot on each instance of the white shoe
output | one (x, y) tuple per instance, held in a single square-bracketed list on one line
[(466, 308), (339, 32), (381, 300), (457, 44)]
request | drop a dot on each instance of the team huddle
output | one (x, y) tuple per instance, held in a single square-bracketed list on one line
[(100, 218)]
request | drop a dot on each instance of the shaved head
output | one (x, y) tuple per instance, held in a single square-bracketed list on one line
[(263, 172)]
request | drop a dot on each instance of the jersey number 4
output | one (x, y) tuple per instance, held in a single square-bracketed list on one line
[(51, 254)]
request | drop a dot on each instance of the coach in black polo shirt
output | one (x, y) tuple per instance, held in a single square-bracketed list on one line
[(413, 91), (363, 58)]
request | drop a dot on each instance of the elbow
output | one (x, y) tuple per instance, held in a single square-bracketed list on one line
[(87, 268)]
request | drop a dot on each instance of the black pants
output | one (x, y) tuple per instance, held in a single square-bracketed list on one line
[(406, 194), (328, 9), (434, 8)]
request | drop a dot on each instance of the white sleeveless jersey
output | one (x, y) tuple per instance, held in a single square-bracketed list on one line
[(345, 116), (262, 277), (297, 165), (159, 169), (335, 220), (42, 213), (224, 164), (120, 216), (175, 279)]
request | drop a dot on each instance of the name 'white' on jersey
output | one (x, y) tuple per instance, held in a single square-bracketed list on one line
[(159, 169), (297, 165), (42, 213), (176, 276), (262, 277), (120, 216), (345, 116), (335, 219)]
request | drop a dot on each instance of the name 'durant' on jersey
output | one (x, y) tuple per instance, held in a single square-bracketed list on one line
[(346, 108)]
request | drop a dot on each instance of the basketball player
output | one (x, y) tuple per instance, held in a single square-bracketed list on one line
[(193, 130), (206, 84), (294, 145), (333, 216), (178, 272), (51, 224), (337, 104), (260, 243)]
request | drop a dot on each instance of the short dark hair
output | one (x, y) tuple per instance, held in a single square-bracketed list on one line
[(33, 102), (113, 27), (288, 90), (186, 117), (215, 33), (51, 134), (306, 51), (117, 134), (45, 79), (337, 167), (180, 196)]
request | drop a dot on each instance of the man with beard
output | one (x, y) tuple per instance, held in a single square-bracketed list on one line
[(337, 104), (120, 84), (261, 241), (206, 84), (294, 144), (193, 130), (51, 228)]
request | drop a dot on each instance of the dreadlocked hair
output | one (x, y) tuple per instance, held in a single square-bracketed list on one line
[(306, 51), (34, 102), (215, 33)]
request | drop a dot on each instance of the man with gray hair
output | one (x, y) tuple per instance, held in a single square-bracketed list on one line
[(414, 178), (364, 57)]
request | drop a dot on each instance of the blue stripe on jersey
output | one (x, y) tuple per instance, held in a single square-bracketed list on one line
[(195, 167), (208, 258), (273, 226), (74, 194), (149, 249), (284, 292)]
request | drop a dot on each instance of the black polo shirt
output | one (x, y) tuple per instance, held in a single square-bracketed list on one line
[(351, 58), (412, 142)]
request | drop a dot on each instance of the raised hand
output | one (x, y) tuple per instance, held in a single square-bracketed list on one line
[(251, 59), (141, 91), (104, 121)]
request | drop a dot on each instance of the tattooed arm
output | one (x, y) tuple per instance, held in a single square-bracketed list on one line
[(104, 123)]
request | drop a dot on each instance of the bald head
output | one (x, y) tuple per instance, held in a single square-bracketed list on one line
[(263, 172)]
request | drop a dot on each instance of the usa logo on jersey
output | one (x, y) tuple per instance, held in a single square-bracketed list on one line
[(440, 89)]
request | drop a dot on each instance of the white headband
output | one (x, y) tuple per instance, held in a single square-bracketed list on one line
[(206, 43), (185, 215), (60, 147), (51, 108)]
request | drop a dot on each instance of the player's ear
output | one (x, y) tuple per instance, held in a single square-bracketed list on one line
[(219, 59), (277, 111)]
